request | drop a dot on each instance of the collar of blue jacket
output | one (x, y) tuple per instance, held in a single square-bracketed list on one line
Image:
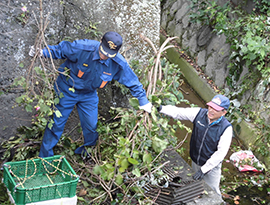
[(217, 121)]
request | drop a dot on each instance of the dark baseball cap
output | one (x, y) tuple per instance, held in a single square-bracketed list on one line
[(111, 42), (219, 102)]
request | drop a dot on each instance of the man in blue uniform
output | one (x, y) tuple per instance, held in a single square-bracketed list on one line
[(91, 65), (210, 140)]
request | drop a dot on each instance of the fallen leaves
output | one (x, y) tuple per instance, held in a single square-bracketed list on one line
[(82, 192)]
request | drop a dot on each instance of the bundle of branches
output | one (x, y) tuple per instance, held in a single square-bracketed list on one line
[(128, 155)]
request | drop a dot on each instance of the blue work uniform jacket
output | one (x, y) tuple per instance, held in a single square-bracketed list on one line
[(88, 72), (205, 138)]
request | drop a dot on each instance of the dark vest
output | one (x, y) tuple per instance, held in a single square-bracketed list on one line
[(204, 139)]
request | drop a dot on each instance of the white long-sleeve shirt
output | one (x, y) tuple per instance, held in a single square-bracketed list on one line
[(190, 114)]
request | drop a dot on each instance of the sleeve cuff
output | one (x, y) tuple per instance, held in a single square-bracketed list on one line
[(143, 101), (204, 169)]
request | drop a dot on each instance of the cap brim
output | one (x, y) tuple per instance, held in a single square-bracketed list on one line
[(215, 106), (107, 52)]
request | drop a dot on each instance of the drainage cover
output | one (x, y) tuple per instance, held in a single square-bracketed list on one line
[(178, 191)]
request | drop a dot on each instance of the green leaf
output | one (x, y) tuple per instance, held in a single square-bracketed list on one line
[(155, 99), (50, 125), (124, 165), (61, 95), (133, 161), (98, 170), (21, 65), (44, 108), (56, 101), (159, 145), (163, 122), (19, 99), (121, 169), (28, 108), (110, 175), (81, 199), (136, 154), (171, 99), (225, 169), (147, 158), (136, 172), (262, 53), (58, 113), (38, 70), (44, 120), (134, 103), (119, 179), (153, 114), (109, 166), (179, 95), (85, 183)]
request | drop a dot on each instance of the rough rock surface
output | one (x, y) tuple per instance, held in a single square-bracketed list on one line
[(68, 20)]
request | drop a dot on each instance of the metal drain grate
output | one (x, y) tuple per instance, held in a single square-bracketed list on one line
[(177, 192)]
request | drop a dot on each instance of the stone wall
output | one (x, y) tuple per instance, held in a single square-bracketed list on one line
[(209, 51), (68, 20)]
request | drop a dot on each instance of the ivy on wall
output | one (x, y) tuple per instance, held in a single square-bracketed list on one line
[(248, 36)]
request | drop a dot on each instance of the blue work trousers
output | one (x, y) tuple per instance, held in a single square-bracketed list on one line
[(87, 106)]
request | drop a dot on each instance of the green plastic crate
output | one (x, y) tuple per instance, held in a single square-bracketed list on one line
[(40, 179)]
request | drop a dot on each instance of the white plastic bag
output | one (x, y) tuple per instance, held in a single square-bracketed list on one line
[(245, 161)]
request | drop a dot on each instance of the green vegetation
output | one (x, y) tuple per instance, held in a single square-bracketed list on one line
[(23, 16), (248, 35), (127, 156)]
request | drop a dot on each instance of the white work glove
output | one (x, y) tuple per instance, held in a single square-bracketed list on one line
[(147, 107), (32, 51)]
